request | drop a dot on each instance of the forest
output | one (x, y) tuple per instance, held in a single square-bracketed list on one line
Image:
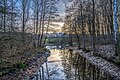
[(89, 25)]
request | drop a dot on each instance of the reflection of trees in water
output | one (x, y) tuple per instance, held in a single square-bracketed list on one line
[(78, 68), (53, 73), (68, 68)]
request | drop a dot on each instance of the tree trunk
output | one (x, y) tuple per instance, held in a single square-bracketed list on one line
[(5, 15), (93, 27), (41, 16), (42, 33)]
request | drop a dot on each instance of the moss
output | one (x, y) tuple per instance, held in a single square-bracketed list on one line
[(13, 69), (20, 65)]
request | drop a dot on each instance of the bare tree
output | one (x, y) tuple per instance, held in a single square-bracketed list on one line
[(43, 18), (25, 14)]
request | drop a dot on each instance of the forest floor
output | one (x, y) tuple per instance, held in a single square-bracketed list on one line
[(23, 65), (104, 51), (108, 52), (17, 54)]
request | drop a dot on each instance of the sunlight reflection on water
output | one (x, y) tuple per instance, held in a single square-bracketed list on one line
[(56, 70)]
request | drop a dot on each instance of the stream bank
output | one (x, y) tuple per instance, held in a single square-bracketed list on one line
[(68, 64), (29, 69), (85, 66)]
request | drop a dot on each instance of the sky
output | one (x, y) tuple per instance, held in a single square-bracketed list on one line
[(61, 7)]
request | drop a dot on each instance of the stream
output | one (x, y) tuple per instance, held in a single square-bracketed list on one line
[(65, 65), (55, 67)]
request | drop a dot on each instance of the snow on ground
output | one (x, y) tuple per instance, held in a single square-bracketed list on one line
[(102, 64)]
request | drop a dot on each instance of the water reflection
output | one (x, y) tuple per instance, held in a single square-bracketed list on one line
[(55, 68), (66, 65), (78, 68)]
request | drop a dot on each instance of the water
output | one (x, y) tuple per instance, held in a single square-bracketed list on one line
[(55, 67), (65, 65)]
